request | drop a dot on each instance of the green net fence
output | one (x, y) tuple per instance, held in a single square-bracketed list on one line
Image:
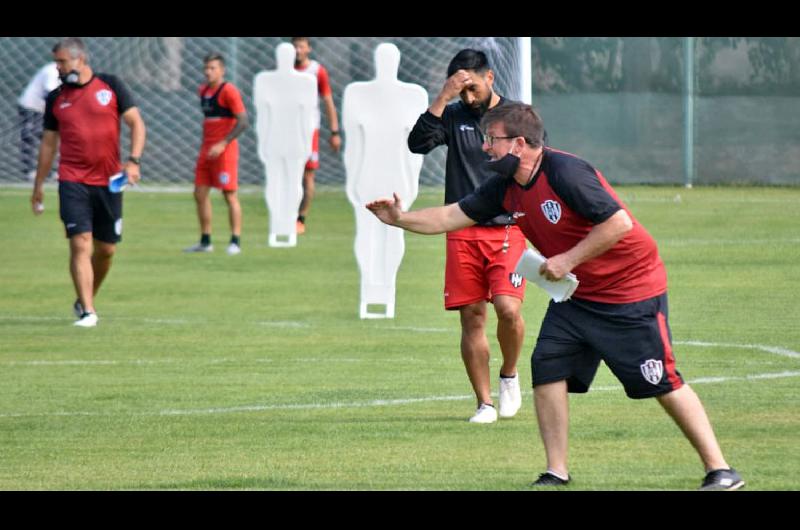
[(662, 110)]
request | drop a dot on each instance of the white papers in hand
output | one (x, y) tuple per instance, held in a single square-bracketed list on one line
[(528, 267)]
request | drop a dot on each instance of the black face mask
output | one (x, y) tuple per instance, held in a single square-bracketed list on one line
[(70, 78), (506, 166)]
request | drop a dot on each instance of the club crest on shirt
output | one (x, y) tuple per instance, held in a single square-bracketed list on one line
[(103, 96), (652, 371), (551, 210)]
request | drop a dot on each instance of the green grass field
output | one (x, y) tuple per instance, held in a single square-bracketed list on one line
[(212, 372)]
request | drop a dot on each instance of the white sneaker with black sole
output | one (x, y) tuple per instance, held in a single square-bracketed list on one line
[(510, 396), (87, 320), (485, 414)]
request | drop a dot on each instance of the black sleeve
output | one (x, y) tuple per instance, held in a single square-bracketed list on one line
[(486, 201), (428, 133), (124, 98), (50, 121), (578, 184)]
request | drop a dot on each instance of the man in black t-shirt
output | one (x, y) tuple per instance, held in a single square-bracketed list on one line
[(480, 259)]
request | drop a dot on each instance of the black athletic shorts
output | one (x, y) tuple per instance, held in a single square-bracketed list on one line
[(633, 340), (90, 209)]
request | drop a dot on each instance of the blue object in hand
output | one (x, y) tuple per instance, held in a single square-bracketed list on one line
[(118, 182)]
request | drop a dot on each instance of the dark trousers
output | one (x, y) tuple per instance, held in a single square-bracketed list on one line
[(30, 135)]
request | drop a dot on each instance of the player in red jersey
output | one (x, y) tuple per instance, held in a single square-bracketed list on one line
[(303, 63), (225, 118), (618, 314), (82, 119)]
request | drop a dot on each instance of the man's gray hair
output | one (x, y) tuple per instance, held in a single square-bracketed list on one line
[(75, 46)]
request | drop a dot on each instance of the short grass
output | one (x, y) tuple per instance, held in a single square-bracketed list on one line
[(210, 372)]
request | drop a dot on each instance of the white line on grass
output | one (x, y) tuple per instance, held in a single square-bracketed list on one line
[(310, 360), (165, 320), (688, 242), (316, 360), (378, 403), (272, 323), (630, 199), (305, 406), (371, 403), (284, 324), (409, 401), (269, 323), (769, 349), (33, 318), (87, 362), (417, 329)]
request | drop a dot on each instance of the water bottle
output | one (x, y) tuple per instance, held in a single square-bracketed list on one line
[(118, 182)]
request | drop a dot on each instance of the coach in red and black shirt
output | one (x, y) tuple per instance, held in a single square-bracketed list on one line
[(82, 120), (618, 314)]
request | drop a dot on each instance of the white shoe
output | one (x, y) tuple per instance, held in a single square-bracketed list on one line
[(89, 320), (197, 247), (510, 396), (233, 249), (485, 414)]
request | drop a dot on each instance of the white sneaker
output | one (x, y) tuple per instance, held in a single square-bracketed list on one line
[(197, 247), (233, 249), (510, 396), (485, 414), (88, 320)]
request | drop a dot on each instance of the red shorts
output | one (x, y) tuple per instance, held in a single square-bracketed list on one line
[(221, 172), (313, 162), (478, 269)]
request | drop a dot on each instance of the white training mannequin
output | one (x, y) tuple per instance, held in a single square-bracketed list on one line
[(377, 117), (285, 101)]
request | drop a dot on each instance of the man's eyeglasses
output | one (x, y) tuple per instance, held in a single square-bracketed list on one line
[(489, 139)]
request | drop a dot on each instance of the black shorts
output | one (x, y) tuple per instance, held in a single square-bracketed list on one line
[(90, 209), (633, 340)]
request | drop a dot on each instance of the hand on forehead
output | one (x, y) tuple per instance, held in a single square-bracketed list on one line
[(466, 76)]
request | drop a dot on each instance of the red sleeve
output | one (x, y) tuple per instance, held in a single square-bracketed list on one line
[(231, 99), (323, 83)]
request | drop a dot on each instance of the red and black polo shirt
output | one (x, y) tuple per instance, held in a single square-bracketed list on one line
[(558, 208), (87, 118)]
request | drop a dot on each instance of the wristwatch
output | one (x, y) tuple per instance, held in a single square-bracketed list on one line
[(135, 159), (334, 133)]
